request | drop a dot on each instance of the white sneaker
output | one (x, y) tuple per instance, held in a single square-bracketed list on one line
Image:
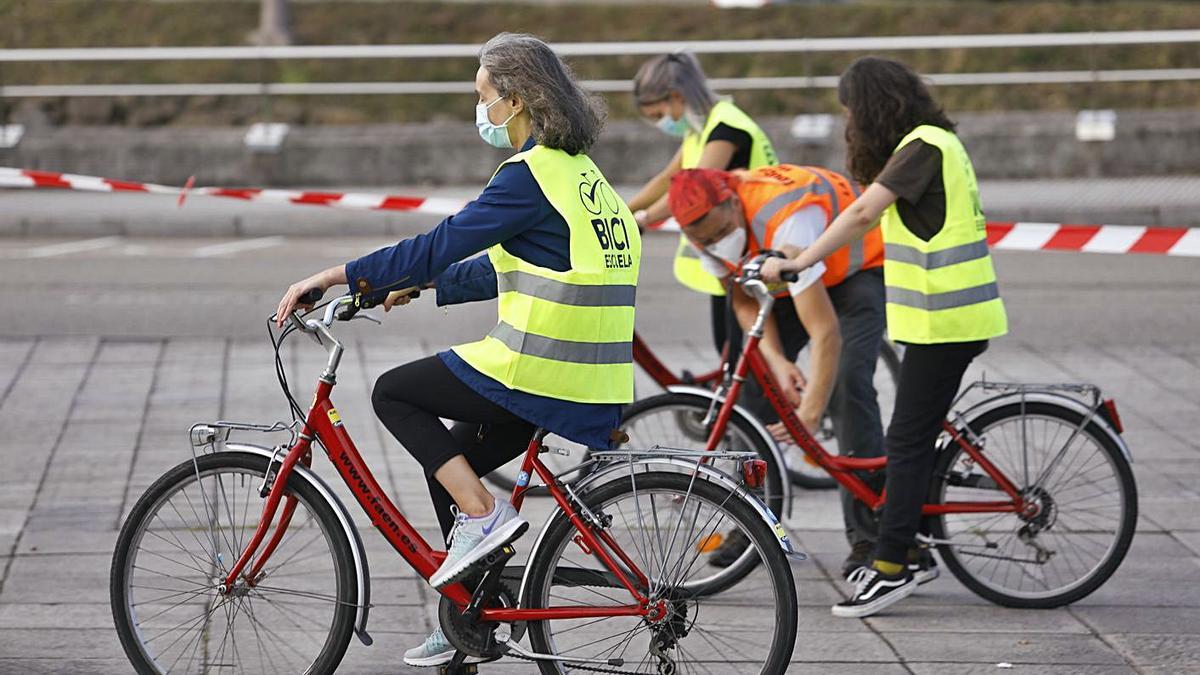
[(474, 539), (435, 651)]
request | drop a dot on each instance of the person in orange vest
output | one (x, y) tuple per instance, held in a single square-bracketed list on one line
[(837, 306)]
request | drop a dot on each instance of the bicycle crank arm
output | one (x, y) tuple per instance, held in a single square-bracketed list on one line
[(926, 540), (503, 635)]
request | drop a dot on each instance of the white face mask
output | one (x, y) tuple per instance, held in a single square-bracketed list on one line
[(730, 247)]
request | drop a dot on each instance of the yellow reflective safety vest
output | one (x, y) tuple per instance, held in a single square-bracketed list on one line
[(944, 289), (688, 269), (567, 335)]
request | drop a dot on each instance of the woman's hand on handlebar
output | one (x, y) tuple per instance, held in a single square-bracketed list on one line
[(404, 296), (774, 270), (292, 299)]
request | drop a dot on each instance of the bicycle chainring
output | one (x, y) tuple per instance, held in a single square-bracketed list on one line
[(475, 638)]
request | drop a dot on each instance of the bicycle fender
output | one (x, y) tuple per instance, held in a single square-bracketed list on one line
[(759, 428), (1051, 398), (362, 574), (621, 469)]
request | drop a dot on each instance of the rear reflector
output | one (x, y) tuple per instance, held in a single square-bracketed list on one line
[(754, 472), (1110, 406)]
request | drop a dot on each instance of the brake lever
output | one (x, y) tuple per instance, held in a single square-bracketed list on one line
[(368, 317)]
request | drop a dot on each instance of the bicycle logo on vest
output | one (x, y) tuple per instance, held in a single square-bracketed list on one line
[(598, 199)]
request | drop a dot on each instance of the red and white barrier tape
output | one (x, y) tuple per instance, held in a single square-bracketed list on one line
[(1180, 241), (22, 178), (1176, 241)]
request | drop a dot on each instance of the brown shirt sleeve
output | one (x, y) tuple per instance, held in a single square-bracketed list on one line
[(915, 175), (909, 172)]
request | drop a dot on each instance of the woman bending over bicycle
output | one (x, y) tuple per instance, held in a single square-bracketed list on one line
[(562, 256), (942, 297)]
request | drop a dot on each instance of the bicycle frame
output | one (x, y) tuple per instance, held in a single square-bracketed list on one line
[(324, 424), (842, 468), (663, 376)]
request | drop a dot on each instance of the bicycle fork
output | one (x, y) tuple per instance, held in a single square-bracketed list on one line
[(277, 487)]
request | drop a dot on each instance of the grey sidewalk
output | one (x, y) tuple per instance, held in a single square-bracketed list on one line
[(86, 424)]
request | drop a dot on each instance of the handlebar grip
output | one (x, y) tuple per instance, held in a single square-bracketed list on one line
[(790, 276), (310, 297)]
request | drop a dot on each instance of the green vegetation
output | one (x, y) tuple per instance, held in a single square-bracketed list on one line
[(93, 23)]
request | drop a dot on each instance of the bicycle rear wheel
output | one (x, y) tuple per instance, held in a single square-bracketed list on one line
[(1087, 507), (178, 544), (662, 520), (676, 421)]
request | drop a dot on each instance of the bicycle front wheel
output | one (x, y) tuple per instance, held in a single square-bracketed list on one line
[(1085, 498), (663, 521), (178, 544)]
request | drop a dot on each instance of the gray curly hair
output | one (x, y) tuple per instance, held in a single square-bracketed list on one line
[(563, 115)]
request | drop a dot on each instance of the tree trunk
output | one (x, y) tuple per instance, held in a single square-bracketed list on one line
[(273, 23)]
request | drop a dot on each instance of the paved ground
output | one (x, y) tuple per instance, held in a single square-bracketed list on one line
[(110, 350)]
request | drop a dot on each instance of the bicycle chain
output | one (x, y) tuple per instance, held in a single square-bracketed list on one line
[(576, 666)]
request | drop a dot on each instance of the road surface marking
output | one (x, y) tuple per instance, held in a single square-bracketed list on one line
[(66, 248), (236, 246)]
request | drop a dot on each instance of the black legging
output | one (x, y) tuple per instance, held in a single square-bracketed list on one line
[(409, 400), (929, 379)]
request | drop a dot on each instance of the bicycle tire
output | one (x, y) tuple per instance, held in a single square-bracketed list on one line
[(956, 559), (560, 533), (177, 478), (698, 405)]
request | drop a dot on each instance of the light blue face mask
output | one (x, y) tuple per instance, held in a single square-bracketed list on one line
[(671, 126), (495, 135)]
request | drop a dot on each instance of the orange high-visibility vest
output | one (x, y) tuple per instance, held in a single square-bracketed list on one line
[(771, 194)]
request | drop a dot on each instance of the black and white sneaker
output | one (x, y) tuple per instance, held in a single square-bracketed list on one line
[(924, 568), (875, 591)]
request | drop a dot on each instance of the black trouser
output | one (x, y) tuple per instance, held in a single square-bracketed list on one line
[(854, 405), (930, 376), (409, 400)]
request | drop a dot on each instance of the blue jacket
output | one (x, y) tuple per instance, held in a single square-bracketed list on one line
[(512, 210)]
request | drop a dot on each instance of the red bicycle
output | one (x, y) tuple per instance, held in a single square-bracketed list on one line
[(1032, 503), (242, 560), (800, 470)]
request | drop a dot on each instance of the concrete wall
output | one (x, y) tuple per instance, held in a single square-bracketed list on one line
[(1003, 145)]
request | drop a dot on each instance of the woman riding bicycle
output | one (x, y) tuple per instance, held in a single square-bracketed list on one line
[(562, 256), (942, 297)]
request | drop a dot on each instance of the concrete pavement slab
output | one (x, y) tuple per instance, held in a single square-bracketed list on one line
[(1156, 620), (861, 648), (1015, 669), (970, 619), (1180, 651), (997, 647)]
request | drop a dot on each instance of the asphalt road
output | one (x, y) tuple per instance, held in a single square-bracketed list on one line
[(173, 287)]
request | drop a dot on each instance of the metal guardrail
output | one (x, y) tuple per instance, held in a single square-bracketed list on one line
[(894, 43), (593, 49)]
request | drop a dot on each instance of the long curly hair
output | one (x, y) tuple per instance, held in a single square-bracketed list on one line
[(886, 100)]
